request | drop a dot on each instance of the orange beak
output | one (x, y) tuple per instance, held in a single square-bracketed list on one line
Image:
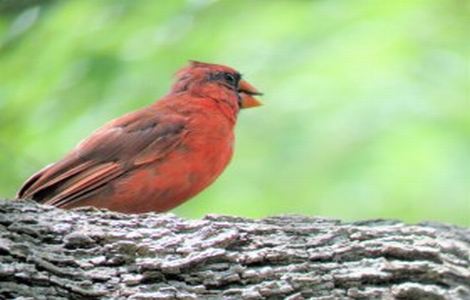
[(247, 91)]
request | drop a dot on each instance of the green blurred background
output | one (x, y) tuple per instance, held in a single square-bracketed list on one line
[(366, 113)]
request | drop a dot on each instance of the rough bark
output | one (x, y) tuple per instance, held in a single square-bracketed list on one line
[(48, 253)]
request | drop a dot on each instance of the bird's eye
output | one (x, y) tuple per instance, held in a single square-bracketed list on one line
[(230, 79)]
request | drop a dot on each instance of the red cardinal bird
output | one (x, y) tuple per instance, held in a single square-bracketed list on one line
[(157, 157)]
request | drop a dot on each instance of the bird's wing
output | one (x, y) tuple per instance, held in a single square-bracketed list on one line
[(122, 144)]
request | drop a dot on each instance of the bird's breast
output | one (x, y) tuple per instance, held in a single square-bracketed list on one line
[(209, 144), (197, 161)]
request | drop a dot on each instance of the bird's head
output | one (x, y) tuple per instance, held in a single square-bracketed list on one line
[(217, 81)]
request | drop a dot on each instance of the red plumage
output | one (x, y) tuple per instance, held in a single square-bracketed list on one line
[(157, 157)]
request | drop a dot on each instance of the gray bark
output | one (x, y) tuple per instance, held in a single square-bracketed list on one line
[(48, 253)]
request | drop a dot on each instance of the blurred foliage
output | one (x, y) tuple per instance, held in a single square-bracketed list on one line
[(366, 110)]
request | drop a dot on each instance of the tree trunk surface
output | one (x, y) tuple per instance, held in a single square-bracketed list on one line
[(49, 253)]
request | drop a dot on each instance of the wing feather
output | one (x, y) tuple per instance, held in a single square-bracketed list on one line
[(88, 181), (119, 146), (49, 176)]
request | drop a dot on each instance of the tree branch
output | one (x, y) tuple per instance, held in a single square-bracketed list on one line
[(50, 253)]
